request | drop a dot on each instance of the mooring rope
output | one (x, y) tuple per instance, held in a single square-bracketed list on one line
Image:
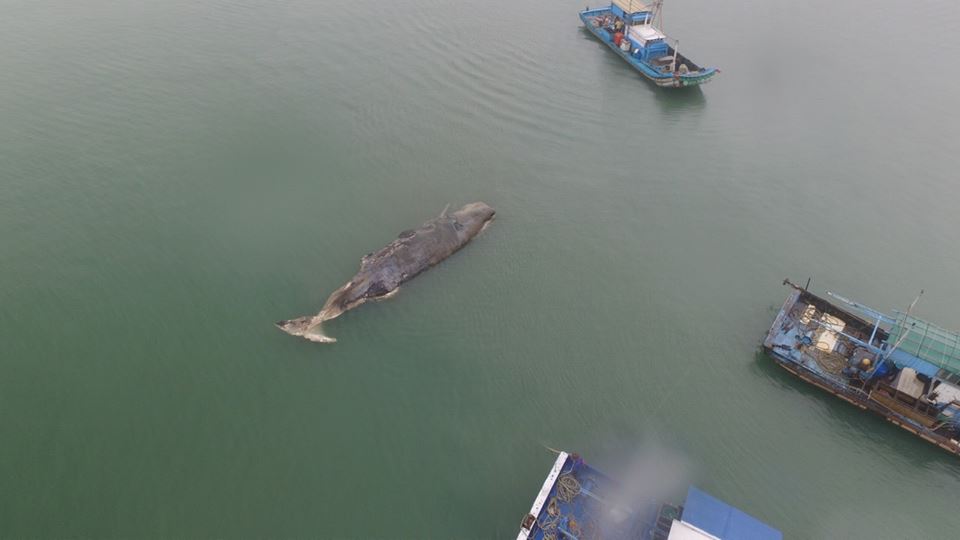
[(568, 488)]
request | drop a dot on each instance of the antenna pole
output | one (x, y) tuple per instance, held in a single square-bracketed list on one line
[(874, 333)]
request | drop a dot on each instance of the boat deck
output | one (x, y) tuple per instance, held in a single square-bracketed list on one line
[(577, 502), (581, 503), (901, 408), (809, 332)]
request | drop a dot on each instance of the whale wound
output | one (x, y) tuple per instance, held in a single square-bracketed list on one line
[(376, 288)]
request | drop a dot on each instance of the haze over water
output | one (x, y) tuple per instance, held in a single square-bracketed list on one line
[(177, 175)]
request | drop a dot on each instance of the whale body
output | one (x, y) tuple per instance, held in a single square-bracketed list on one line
[(381, 273)]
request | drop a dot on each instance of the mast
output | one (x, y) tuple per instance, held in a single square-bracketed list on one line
[(656, 20), (657, 8), (905, 331), (884, 353)]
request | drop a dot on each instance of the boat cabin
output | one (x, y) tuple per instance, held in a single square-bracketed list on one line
[(649, 43)]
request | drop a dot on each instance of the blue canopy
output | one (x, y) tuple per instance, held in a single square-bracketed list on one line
[(903, 359), (724, 521)]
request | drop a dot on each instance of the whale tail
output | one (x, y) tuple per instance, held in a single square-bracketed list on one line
[(310, 328)]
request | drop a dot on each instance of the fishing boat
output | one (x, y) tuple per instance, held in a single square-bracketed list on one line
[(900, 367), (632, 29), (578, 502)]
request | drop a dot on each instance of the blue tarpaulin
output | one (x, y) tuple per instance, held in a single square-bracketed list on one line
[(903, 359), (724, 521)]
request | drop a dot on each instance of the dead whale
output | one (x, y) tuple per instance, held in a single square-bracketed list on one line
[(382, 273)]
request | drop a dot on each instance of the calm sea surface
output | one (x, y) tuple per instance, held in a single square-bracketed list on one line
[(177, 175)]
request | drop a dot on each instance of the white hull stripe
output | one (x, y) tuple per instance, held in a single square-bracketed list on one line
[(544, 492)]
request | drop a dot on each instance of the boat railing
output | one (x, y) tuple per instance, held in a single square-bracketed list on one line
[(588, 12)]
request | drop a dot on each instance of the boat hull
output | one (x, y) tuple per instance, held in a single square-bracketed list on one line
[(661, 79)]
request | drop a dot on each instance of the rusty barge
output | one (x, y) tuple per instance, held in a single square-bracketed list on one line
[(897, 366)]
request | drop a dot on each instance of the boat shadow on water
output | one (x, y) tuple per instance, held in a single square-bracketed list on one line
[(680, 99), (892, 443)]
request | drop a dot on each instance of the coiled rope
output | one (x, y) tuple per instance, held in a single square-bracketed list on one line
[(567, 488)]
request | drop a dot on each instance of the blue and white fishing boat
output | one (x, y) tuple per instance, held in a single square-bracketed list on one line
[(578, 502), (631, 28), (900, 367)]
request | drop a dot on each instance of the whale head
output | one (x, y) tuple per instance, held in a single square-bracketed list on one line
[(472, 218)]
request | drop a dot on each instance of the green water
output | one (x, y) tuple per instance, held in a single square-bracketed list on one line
[(177, 175)]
